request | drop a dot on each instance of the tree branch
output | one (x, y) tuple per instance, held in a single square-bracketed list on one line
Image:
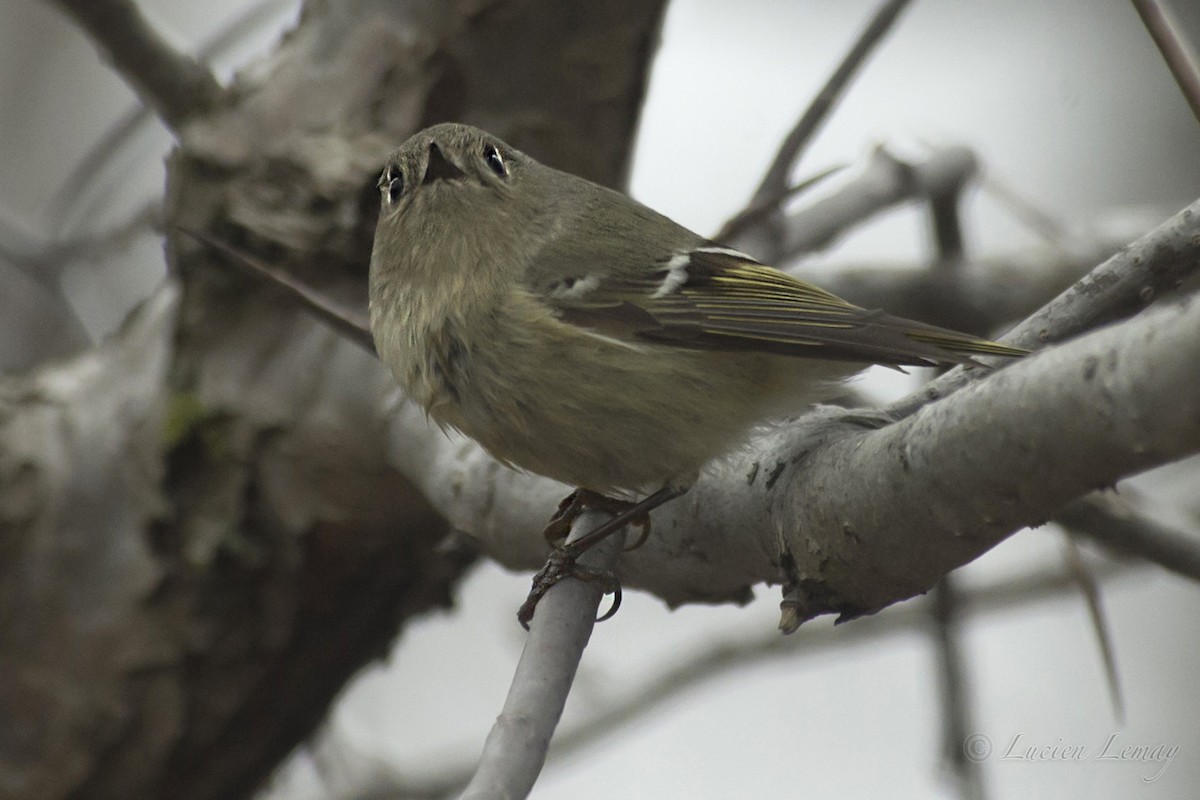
[(1089, 587), (351, 775), (1058, 425), (773, 187), (884, 182), (178, 86), (85, 174), (175, 85), (945, 612), (515, 749), (1113, 525), (853, 520), (349, 322), (1175, 48), (1131, 280)]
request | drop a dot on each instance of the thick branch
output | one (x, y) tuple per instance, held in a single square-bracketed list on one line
[(881, 516), (854, 520), (175, 85)]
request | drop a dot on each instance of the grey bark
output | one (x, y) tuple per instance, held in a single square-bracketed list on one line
[(852, 519), (202, 535)]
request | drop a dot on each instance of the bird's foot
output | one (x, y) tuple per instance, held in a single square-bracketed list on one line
[(562, 564), (579, 501)]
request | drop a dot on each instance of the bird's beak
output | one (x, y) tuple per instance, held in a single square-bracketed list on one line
[(438, 167)]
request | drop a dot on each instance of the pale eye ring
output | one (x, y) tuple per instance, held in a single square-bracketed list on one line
[(495, 161), (391, 183)]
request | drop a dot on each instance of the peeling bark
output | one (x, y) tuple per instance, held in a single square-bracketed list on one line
[(203, 536)]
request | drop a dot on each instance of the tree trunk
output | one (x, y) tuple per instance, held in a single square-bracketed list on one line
[(203, 533)]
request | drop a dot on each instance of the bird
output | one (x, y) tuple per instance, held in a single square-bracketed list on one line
[(577, 334)]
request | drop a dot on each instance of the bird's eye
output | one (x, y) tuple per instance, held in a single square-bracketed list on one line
[(494, 160), (391, 183)]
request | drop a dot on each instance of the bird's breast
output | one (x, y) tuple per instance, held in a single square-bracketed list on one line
[(420, 342)]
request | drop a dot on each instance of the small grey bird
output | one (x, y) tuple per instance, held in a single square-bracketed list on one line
[(577, 334)]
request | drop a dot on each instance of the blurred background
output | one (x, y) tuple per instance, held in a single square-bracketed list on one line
[(1067, 103)]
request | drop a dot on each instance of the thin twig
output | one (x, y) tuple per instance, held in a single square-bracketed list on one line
[(515, 749), (1090, 587), (944, 613), (44, 262), (1102, 520), (1040, 222), (772, 190), (755, 213), (718, 658), (1175, 48), (1124, 284), (884, 182), (348, 322), (175, 85)]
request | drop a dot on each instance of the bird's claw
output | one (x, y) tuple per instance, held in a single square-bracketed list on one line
[(579, 501), (562, 564), (560, 524)]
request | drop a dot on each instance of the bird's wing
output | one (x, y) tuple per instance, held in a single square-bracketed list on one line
[(711, 297)]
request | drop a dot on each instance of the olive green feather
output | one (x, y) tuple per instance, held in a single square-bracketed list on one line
[(723, 300)]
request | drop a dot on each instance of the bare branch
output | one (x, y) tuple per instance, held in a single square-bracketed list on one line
[(515, 749), (1175, 48), (1059, 424), (945, 215), (175, 85), (944, 613), (91, 165), (758, 214), (886, 181), (774, 184), (1114, 525), (713, 660), (1089, 586), (44, 262), (1035, 219), (1123, 285), (348, 322), (856, 519)]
